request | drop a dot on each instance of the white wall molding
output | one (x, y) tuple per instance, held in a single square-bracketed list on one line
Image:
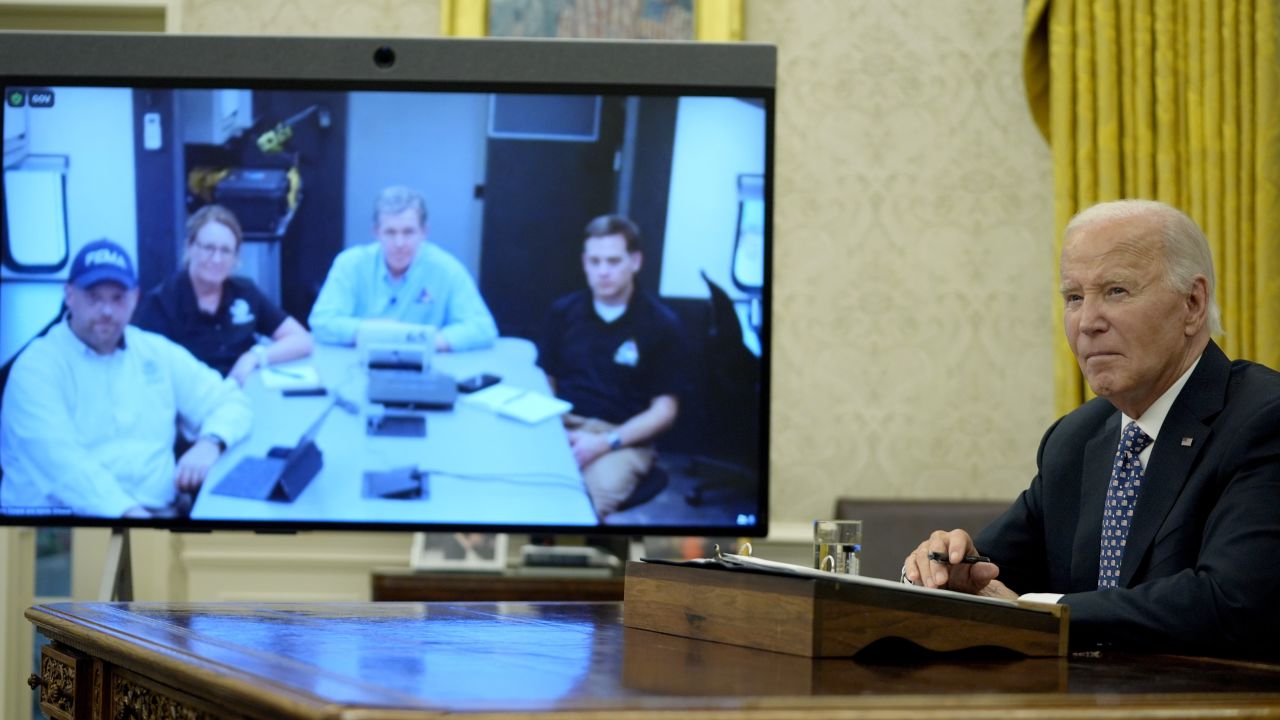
[(17, 566)]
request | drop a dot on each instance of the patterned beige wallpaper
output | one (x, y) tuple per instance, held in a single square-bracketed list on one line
[(913, 253), (913, 225), (383, 18)]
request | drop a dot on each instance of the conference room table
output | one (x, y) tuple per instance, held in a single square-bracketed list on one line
[(566, 660), (481, 467)]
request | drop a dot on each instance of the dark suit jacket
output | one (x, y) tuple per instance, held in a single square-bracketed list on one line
[(1201, 569)]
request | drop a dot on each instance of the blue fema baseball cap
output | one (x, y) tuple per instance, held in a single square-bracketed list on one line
[(102, 261)]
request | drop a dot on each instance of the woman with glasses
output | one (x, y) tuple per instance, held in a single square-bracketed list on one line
[(217, 316)]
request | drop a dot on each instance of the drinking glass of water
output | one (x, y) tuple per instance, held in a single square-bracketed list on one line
[(837, 545)]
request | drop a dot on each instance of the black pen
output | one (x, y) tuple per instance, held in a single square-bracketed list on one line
[(968, 559)]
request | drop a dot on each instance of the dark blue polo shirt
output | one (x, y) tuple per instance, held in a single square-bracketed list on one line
[(612, 371), (220, 339)]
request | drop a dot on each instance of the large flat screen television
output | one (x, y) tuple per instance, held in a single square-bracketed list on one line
[(298, 283)]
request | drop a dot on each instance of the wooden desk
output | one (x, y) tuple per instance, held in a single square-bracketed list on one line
[(409, 586), (571, 660)]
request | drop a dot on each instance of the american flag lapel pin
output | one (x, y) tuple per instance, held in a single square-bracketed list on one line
[(1186, 442)]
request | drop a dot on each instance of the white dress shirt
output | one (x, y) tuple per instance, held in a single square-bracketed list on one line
[(89, 434)]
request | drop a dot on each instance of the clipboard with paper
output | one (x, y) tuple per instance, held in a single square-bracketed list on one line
[(751, 601)]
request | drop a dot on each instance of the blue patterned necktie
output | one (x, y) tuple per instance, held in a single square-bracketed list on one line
[(1122, 498)]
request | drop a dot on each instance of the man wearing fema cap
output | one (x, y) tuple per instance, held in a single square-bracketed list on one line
[(87, 424)]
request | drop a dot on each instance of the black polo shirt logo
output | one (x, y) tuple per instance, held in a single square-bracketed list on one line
[(241, 313), (628, 353)]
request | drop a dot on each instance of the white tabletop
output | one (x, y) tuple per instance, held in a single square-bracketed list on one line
[(484, 468)]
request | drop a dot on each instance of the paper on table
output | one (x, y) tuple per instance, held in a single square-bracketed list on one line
[(290, 377), (773, 567), (525, 405), (493, 397)]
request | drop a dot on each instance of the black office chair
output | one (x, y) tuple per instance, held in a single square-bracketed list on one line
[(893, 527), (8, 365), (647, 489), (730, 385), (7, 368)]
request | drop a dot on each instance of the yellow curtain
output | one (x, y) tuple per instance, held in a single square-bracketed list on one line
[(1172, 100), (712, 19)]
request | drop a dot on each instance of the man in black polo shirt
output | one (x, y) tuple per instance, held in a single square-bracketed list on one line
[(615, 353)]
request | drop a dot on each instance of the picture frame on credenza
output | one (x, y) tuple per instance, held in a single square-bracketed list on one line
[(459, 552)]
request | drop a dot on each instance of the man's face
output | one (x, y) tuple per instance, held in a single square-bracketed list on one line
[(99, 314), (400, 234), (610, 268), (1131, 333)]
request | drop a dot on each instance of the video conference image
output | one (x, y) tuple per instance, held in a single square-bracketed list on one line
[(306, 307)]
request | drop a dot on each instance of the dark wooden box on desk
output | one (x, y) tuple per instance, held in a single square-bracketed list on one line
[(825, 618)]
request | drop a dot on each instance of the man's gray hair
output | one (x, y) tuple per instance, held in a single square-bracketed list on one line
[(1186, 249), (395, 200)]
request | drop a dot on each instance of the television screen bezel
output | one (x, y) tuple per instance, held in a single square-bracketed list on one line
[(482, 65)]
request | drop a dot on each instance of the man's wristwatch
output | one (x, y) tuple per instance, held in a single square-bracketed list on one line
[(222, 444), (615, 440)]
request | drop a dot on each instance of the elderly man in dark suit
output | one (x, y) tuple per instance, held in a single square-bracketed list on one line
[(1155, 514)]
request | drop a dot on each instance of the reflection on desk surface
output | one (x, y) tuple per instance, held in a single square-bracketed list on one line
[(479, 467), (578, 656)]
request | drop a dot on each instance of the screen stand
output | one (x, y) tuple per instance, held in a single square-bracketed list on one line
[(635, 548), (117, 575)]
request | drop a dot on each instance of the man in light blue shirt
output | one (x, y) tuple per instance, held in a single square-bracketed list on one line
[(401, 278)]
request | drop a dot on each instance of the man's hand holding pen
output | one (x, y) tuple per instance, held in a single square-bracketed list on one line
[(950, 560)]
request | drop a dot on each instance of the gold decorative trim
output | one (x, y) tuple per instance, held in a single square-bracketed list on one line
[(464, 18), (716, 20)]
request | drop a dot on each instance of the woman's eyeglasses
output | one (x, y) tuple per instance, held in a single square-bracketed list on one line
[(209, 250)]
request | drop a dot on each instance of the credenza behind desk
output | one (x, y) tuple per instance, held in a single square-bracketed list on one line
[(572, 660), (401, 585)]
